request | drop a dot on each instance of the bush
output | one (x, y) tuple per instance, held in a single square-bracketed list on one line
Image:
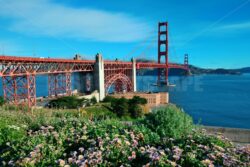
[(108, 99), (136, 106), (69, 102), (169, 122), (120, 106), (2, 101), (136, 111), (93, 100), (138, 100)]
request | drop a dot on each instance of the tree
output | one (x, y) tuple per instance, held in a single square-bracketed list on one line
[(138, 100), (135, 106), (120, 106), (136, 111)]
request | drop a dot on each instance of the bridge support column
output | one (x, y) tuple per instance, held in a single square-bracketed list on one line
[(186, 60), (20, 90), (99, 76), (134, 75), (163, 50), (59, 84)]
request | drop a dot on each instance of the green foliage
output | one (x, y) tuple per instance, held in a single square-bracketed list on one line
[(10, 132), (138, 100), (128, 107), (169, 122), (149, 137), (108, 99), (120, 106), (99, 112), (135, 107), (67, 138), (136, 110), (93, 100), (2, 101), (68, 102)]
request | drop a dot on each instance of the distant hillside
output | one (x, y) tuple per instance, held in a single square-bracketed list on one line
[(245, 70), (197, 70), (145, 60)]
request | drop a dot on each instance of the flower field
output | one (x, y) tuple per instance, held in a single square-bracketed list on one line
[(166, 137)]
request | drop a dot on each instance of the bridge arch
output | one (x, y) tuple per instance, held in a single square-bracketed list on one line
[(120, 82)]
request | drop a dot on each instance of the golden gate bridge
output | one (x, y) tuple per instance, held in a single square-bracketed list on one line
[(19, 73)]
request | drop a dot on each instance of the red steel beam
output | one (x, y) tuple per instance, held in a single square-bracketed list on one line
[(41, 60)]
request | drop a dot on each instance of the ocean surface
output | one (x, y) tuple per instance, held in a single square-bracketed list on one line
[(214, 100)]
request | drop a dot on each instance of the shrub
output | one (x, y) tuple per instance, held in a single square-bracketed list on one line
[(138, 100), (136, 111), (120, 106), (93, 100), (69, 102), (2, 101), (169, 122), (108, 99), (136, 106)]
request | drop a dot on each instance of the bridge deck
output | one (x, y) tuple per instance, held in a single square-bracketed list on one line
[(18, 66)]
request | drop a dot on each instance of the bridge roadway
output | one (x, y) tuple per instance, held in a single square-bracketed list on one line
[(19, 66)]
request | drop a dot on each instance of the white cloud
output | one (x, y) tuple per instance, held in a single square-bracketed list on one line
[(42, 17), (239, 27)]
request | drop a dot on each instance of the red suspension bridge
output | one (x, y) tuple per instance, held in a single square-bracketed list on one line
[(19, 73)]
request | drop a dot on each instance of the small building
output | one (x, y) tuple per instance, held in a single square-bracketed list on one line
[(154, 99)]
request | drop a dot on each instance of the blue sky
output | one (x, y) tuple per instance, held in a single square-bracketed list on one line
[(214, 33)]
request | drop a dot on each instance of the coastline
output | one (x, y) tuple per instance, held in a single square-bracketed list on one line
[(236, 135)]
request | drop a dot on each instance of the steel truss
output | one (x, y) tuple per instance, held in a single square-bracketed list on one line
[(119, 75), (59, 84), (10, 66), (20, 89)]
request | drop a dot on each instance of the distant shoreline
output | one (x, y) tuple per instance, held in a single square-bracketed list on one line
[(237, 135)]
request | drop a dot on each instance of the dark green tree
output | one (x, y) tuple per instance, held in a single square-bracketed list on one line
[(135, 108), (138, 100), (120, 106)]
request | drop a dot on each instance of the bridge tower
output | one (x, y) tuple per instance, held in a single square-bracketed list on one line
[(163, 50), (186, 60)]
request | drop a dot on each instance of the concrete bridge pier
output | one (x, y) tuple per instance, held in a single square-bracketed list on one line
[(99, 76)]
